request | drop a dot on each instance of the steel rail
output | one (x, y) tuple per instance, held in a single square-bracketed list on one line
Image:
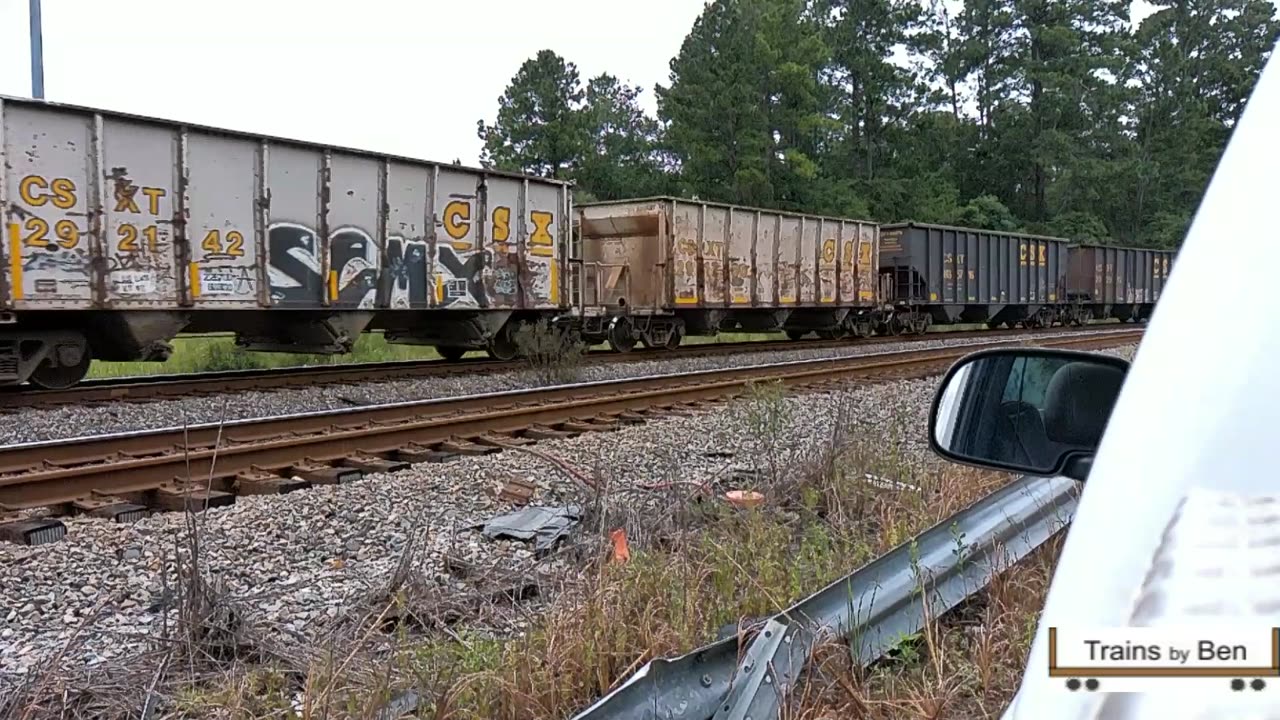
[(176, 385), (871, 607), (59, 472)]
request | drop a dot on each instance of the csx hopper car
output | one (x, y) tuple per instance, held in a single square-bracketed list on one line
[(123, 231), (655, 270)]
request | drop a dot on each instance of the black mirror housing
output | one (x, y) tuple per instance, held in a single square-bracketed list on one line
[(1028, 410)]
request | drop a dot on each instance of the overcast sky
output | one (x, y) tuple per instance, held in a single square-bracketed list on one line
[(409, 77)]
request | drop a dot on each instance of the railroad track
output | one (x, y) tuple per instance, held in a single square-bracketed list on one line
[(148, 388), (123, 476)]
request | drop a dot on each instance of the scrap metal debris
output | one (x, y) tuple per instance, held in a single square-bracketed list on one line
[(544, 525)]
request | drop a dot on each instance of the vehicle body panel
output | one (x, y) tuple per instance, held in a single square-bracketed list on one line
[(108, 211), (722, 256), (1195, 412), (1116, 275), (938, 264)]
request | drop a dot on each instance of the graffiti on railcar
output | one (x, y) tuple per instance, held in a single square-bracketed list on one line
[(740, 280), (407, 266), (459, 278), (295, 268)]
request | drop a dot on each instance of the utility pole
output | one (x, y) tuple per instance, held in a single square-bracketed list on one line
[(37, 52)]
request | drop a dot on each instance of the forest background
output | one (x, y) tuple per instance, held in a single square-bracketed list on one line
[(1055, 117)]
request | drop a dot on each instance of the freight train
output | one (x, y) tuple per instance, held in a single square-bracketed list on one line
[(120, 232)]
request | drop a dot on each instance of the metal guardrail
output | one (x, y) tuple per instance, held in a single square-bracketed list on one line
[(872, 607)]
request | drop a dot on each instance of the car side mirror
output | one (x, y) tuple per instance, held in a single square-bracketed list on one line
[(1027, 410)]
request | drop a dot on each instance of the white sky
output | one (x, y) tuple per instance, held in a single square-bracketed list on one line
[(408, 77)]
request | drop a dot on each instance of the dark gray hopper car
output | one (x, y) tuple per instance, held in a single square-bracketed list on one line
[(941, 274), (1122, 283)]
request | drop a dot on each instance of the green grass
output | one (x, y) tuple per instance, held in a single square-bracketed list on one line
[(217, 351), (211, 353)]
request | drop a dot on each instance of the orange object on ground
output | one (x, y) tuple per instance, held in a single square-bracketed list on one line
[(744, 498), (621, 553)]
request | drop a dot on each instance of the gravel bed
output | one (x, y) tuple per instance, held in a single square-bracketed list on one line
[(296, 567), (37, 424)]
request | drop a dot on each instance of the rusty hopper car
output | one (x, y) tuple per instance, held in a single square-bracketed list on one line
[(654, 270), (1110, 282), (121, 232), (945, 275)]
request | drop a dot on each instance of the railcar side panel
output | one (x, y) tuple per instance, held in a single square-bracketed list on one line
[(715, 227), (545, 240), (224, 221), (139, 168), (765, 254), (410, 237), (828, 259), (50, 208), (810, 240), (355, 239), (458, 282), (297, 240), (686, 232), (743, 271), (505, 241), (868, 262), (789, 260)]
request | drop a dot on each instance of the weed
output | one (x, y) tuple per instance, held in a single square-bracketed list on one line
[(728, 570), (552, 354), (768, 418)]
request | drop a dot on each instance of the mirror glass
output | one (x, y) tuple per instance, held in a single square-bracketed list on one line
[(1026, 410)]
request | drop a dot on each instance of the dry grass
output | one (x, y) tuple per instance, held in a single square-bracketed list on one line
[(697, 567)]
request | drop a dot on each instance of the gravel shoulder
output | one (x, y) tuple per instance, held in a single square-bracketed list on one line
[(68, 421), (298, 566)]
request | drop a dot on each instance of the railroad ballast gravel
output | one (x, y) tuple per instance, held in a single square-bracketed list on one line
[(297, 564), (69, 421)]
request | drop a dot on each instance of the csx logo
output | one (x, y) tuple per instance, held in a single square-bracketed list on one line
[(456, 220)]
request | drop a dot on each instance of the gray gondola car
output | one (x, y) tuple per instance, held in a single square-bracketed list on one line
[(1110, 282), (123, 231), (941, 274)]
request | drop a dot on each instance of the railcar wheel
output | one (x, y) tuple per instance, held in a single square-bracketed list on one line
[(794, 335), (677, 334), (621, 339), (830, 334), (503, 345), (59, 377), (450, 353), (922, 323)]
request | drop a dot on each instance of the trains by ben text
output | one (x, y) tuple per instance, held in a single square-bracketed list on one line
[(122, 232)]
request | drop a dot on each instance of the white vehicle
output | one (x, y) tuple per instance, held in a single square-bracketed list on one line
[(1178, 523)]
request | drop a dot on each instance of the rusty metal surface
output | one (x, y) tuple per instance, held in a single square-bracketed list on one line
[(178, 385), (1104, 274), (937, 264), (712, 255), (103, 210), (142, 463)]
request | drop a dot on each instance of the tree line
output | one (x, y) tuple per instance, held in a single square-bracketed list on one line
[(1047, 116)]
